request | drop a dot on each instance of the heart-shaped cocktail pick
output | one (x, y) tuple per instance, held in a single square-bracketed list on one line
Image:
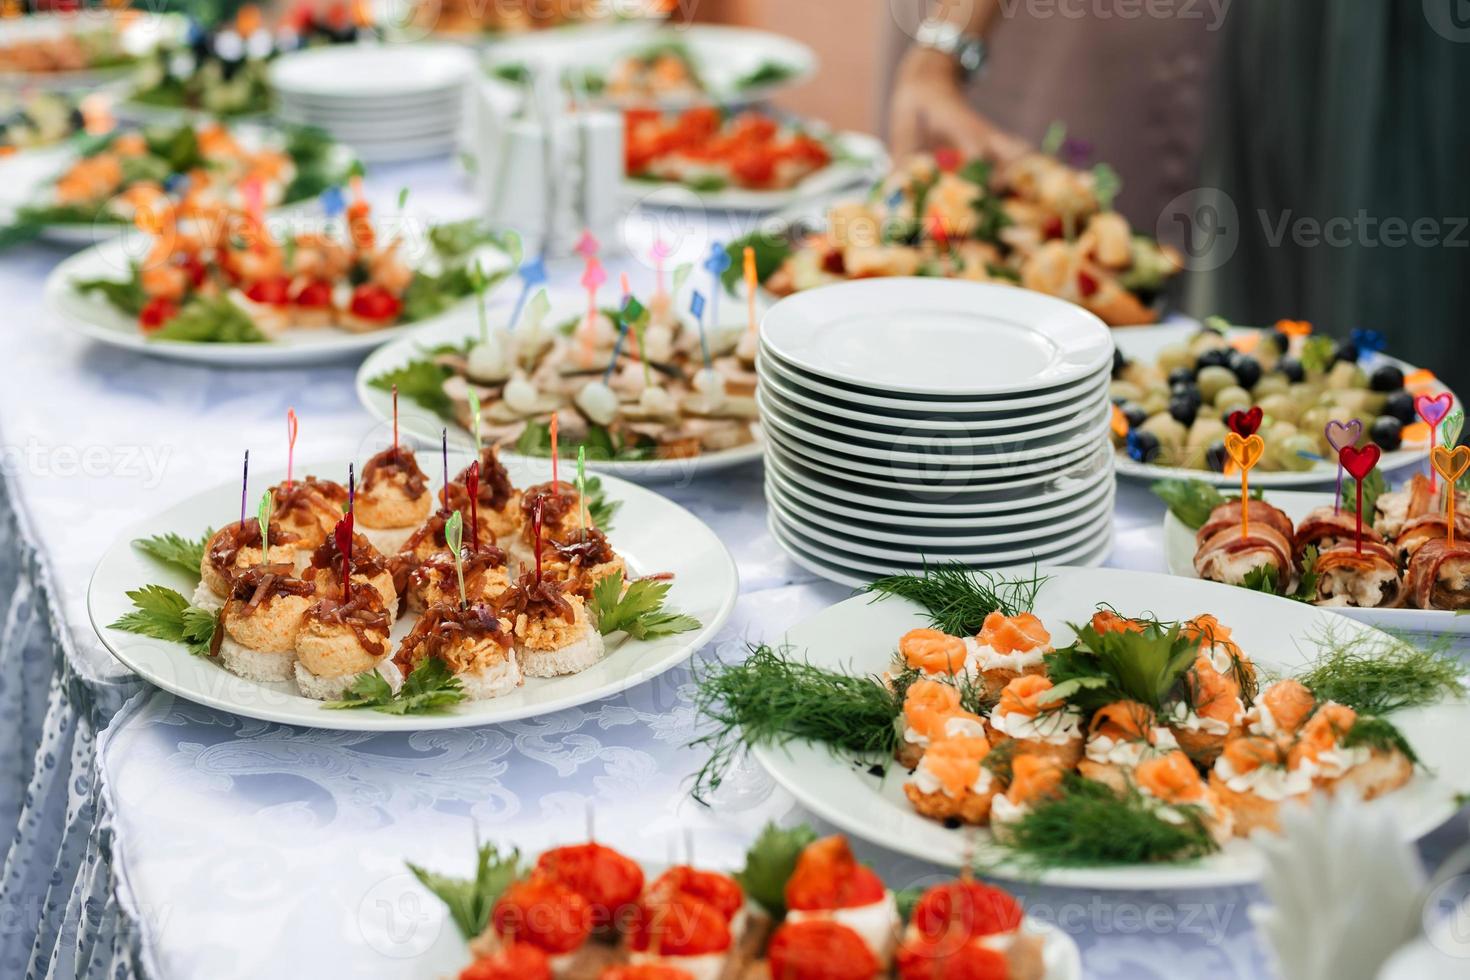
[(1359, 462), (1450, 464), (1340, 434), (1245, 452), (1432, 409), (1245, 423)]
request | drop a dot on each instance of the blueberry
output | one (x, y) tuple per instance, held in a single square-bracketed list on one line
[(1181, 376), (1134, 413), (1247, 371), (1281, 341), (1388, 432), (1346, 352), (1215, 356), (1386, 378), (1400, 405), (1292, 368), (1143, 446), (1184, 409), (1189, 391), (1215, 456)]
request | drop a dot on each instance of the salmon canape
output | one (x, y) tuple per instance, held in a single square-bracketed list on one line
[(310, 508), (1036, 725), (1175, 784), (472, 641), (543, 912), (952, 782), (553, 633), (1223, 652), (1250, 778), (369, 570), (960, 928), (394, 499), (1034, 778), (436, 579), (932, 712), (1107, 621), (1120, 736), (609, 881), (340, 641), (498, 502), (1209, 714), (235, 548), (1280, 711), (1361, 770), (1007, 647), (830, 885), (933, 653), (260, 622), (820, 949), (680, 931), (509, 961)]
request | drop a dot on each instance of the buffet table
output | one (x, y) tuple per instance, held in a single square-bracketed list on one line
[(167, 840)]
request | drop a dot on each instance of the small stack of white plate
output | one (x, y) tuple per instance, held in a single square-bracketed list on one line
[(916, 421), (387, 101)]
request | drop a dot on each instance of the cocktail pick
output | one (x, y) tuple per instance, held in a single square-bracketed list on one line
[(536, 540), (254, 197), (750, 286), (454, 537), (263, 518), (533, 277), (681, 275), (1433, 409), (582, 488), (1449, 429), (1340, 434), (395, 418), (351, 488), (592, 279), (444, 455), (342, 533), (1359, 463), (715, 264), (333, 201), (475, 413), (472, 486), (1369, 341), (554, 450), (696, 310), (659, 253), (1450, 464), (244, 487), (1245, 452), (479, 282), (623, 323), (1245, 423), (291, 426)]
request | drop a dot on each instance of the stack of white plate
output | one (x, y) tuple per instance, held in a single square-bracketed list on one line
[(914, 421), (387, 101)]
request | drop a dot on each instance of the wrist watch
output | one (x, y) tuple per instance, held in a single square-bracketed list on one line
[(967, 50)]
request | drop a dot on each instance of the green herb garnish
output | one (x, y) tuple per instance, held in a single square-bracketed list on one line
[(127, 296), (639, 611), (210, 321), (770, 862), (1376, 674), (164, 614), (1192, 501), (1377, 734), (959, 598), (422, 382), (768, 72), (471, 900), (1374, 485), (429, 689), (175, 550), (1101, 668), (771, 251), (599, 442)]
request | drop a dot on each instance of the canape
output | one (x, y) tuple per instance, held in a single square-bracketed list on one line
[(471, 640), (1120, 736), (309, 508), (1175, 784), (829, 884), (1034, 778), (610, 882), (1209, 713), (369, 570), (498, 501), (234, 548), (1007, 647), (1036, 722), (1280, 710), (261, 621), (507, 961), (968, 928), (820, 949), (543, 912), (682, 932), (428, 538), (435, 580), (582, 559), (394, 499), (558, 504), (952, 783), (553, 633), (932, 712), (341, 641), (935, 653), (1336, 762), (1251, 779)]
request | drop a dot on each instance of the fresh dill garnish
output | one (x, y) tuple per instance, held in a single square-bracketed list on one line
[(175, 550), (1375, 674), (1100, 668), (958, 598), (1380, 735), (772, 698), (471, 900), (1091, 825), (770, 862), (163, 614)]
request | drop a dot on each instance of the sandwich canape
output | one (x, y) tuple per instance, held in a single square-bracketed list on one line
[(819, 949), (610, 882), (952, 783), (1210, 712), (553, 633), (544, 912), (1035, 722), (1120, 736), (436, 579), (261, 621), (1323, 752), (828, 884), (309, 508), (558, 505), (932, 712), (234, 548), (933, 652), (471, 640), (369, 570), (1439, 574), (428, 538), (340, 640), (1034, 778), (967, 928), (681, 931), (1251, 779), (394, 498), (507, 961), (498, 501), (1174, 783), (583, 558), (1280, 711), (1007, 647)]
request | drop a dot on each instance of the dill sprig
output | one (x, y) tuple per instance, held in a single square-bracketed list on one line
[(772, 698), (958, 598), (1091, 825), (1375, 674), (1379, 734)]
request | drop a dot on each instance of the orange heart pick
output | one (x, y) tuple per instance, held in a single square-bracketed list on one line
[(1450, 463), (1244, 452)]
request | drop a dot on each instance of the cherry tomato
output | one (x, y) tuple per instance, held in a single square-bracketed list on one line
[(545, 913), (195, 269), (827, 876), (156, 313), (513, 961), (680, 927), (1087, 283), (970, 908), (610, 882), (315, 294), (275, 291), (820, 949), (940, 958), (375, 303), (718, 891)]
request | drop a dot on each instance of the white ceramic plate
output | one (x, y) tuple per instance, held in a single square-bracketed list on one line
[(425, 425), (937, 337), (722, 56), (936, 498), (1044, 504), (1179, 551), (859, 636), (858, 158), (93, 317), (1144, 343), (935, 412), (372, 73), (653, 533)]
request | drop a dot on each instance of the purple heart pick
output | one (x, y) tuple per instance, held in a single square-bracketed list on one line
[(1340, 435)]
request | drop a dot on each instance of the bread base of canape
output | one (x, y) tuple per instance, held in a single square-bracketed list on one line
[(995, 679), (1249, 812), (972, 808), (205, 598), (315, 317), (256, 665), (1110, 774), (1382, 772), (1202, 747), (908, 754), (1065, 755), (353, 323), (491, 682), (335, 688), (570, 659)]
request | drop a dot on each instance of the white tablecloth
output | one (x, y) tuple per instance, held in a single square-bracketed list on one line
[(243, 849)]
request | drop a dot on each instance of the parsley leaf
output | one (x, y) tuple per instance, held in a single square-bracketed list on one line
[(163, 614), (471, 900), (175, 550), (1262, 578), (638, 612), (1189, 500), (1373, 486), (1306, 590), (429, 689), (771, 250), (770, 862), (210, 321), (600, 510), (421, 382), (127, 296)]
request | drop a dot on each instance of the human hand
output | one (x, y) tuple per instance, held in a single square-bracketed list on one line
[(929, 110)]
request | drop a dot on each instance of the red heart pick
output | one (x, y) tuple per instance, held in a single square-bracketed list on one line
[(1359, 462), (1244, 424), (1433, 410)]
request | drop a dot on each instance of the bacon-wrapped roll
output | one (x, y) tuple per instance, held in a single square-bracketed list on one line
[(1228, 514), (1324, 528), (1396, 508), (1418, 530), (1439, 576), (1228, 557), (1368, 579)]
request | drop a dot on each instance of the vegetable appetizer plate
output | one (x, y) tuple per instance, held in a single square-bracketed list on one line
[(1144, 343), (135, 36), (1179, 551), (859, 636), (655, 534), (857, 158), (92, 317), (425, 425)]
